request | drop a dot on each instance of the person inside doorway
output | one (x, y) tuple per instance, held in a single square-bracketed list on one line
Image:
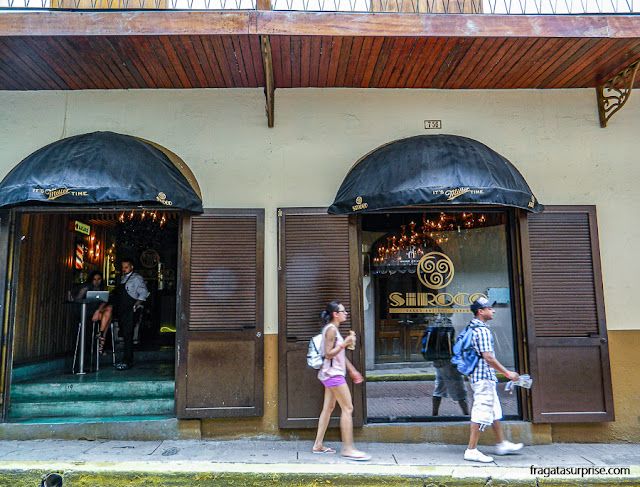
[(129, 296), (99, 312), (449, 383), (437, 345), (486, 408)]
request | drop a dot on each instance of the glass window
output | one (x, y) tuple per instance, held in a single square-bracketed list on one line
[(422, 271)]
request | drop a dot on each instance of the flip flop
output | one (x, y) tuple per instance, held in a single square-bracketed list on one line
[(325, 451), (358, 458)]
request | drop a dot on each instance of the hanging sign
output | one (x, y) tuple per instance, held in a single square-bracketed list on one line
[(82, 228)]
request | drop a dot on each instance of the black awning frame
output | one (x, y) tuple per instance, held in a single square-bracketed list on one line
[(101, 169), (432, 170)]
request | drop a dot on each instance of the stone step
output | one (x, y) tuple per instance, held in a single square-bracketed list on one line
[(91, 409), (120, 428), (99, 420), (30, 392)]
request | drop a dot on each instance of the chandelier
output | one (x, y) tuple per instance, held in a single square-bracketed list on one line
[(150, 216), (401, 251), (140, 231)]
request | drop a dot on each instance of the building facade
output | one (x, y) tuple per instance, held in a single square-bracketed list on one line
[(239, 362)]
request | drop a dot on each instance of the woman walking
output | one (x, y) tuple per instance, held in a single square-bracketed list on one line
[(332, 375)]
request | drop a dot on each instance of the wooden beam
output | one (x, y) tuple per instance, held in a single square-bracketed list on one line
[(117, 22), (269, 85), (341, 24), (439, 25)]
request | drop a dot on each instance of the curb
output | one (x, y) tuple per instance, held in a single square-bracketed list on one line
[(206, 474)]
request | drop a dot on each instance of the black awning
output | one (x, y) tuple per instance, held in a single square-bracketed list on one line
[(101, 167), (432, 170)]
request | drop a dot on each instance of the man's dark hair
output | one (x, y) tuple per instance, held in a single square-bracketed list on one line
[(128, 261)]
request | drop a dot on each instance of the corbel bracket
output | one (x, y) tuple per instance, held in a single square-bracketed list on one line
[(269, 86), (614, 93)]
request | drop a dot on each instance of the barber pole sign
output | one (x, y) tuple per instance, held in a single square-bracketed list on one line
[(79, 256)]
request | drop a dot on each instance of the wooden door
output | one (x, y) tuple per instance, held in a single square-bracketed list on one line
[(220, 357), (389, 343), (398, 337), (5, 352), (564, 303), (318, 262)]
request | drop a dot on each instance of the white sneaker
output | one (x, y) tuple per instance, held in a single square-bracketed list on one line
[(476, 456), (507, 447)]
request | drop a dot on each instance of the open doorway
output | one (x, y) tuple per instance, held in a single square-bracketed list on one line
[(421, 271), (54, 377)]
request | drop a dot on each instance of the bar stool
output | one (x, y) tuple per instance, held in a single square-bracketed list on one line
[(75, 353), (95, 332), (80, 339)]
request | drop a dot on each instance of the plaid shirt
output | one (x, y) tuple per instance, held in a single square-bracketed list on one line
[(482, 342)]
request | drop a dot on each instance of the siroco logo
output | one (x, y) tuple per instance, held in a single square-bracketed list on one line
[(359, 204), (162, 198), (435, 270)]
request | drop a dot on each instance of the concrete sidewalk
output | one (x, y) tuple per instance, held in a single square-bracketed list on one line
[(275, 462)]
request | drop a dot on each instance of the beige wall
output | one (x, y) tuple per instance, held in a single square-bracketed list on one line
[(553, 138)]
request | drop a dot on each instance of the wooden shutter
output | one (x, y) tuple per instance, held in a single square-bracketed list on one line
[(318, 262), (568, 351), (220, 338)]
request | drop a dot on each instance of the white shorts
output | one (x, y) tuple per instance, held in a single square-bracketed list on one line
[(486, 404)]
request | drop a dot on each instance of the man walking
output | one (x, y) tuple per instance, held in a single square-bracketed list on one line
[(486, 408)]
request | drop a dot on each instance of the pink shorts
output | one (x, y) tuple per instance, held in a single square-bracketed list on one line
[(335, 381)]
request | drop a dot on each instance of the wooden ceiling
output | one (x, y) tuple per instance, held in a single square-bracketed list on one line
[(128, 62), (72, 50)]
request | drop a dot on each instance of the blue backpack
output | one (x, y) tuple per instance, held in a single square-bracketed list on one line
[(436, 343), (465, 357)]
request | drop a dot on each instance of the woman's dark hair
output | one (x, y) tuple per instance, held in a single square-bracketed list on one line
[(93, 275), (327, 314)]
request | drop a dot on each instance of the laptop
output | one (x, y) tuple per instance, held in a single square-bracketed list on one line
[(97, 296)]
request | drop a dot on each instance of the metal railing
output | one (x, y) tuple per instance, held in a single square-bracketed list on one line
[(510, 7)]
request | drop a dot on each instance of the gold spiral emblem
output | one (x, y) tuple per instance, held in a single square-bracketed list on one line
[(435, 270), (359, 200)]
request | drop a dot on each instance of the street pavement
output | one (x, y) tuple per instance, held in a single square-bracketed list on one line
[(272, 461)]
